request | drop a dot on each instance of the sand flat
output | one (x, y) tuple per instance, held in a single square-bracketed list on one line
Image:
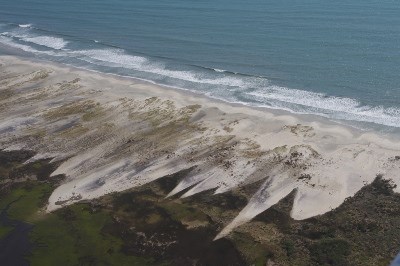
[(115, 133)]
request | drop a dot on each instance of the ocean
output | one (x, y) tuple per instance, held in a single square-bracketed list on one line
[(337, 59)]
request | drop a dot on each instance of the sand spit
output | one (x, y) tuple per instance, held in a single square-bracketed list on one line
[(114, 134)]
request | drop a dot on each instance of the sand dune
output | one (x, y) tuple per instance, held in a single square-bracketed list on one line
[(114, 134)]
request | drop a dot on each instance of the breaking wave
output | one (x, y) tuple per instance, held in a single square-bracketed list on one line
[(50, 42), (25, 25)]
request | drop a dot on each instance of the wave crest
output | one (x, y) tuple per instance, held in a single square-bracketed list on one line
[(25, 25)]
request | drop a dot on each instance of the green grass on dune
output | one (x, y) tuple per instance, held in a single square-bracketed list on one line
[(4, 230), (71, 236), (27, 199)]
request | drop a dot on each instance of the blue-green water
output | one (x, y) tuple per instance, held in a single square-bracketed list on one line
[(339, 59)]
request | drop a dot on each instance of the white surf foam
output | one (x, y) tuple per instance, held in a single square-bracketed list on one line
[(25, 25), (118, 58), (305, 98), (15, 34), (50, 42), (25, 34), (333, 107), (112, 57), (200, 78), (9, 42)]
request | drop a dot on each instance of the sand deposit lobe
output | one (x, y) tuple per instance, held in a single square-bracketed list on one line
[(113, 134)]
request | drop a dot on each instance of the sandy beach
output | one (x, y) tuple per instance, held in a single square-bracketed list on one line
[(116, 133)]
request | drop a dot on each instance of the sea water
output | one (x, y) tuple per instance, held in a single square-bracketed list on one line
[(338, 59)]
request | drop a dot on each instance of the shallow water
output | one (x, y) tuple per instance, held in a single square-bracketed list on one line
[(338, 59)]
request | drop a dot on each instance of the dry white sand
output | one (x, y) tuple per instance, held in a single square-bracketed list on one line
[(114, 134)]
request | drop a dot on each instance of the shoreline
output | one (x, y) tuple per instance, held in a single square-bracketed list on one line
[(119, 132), (31, 58), (361, 127), (205, 99)]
